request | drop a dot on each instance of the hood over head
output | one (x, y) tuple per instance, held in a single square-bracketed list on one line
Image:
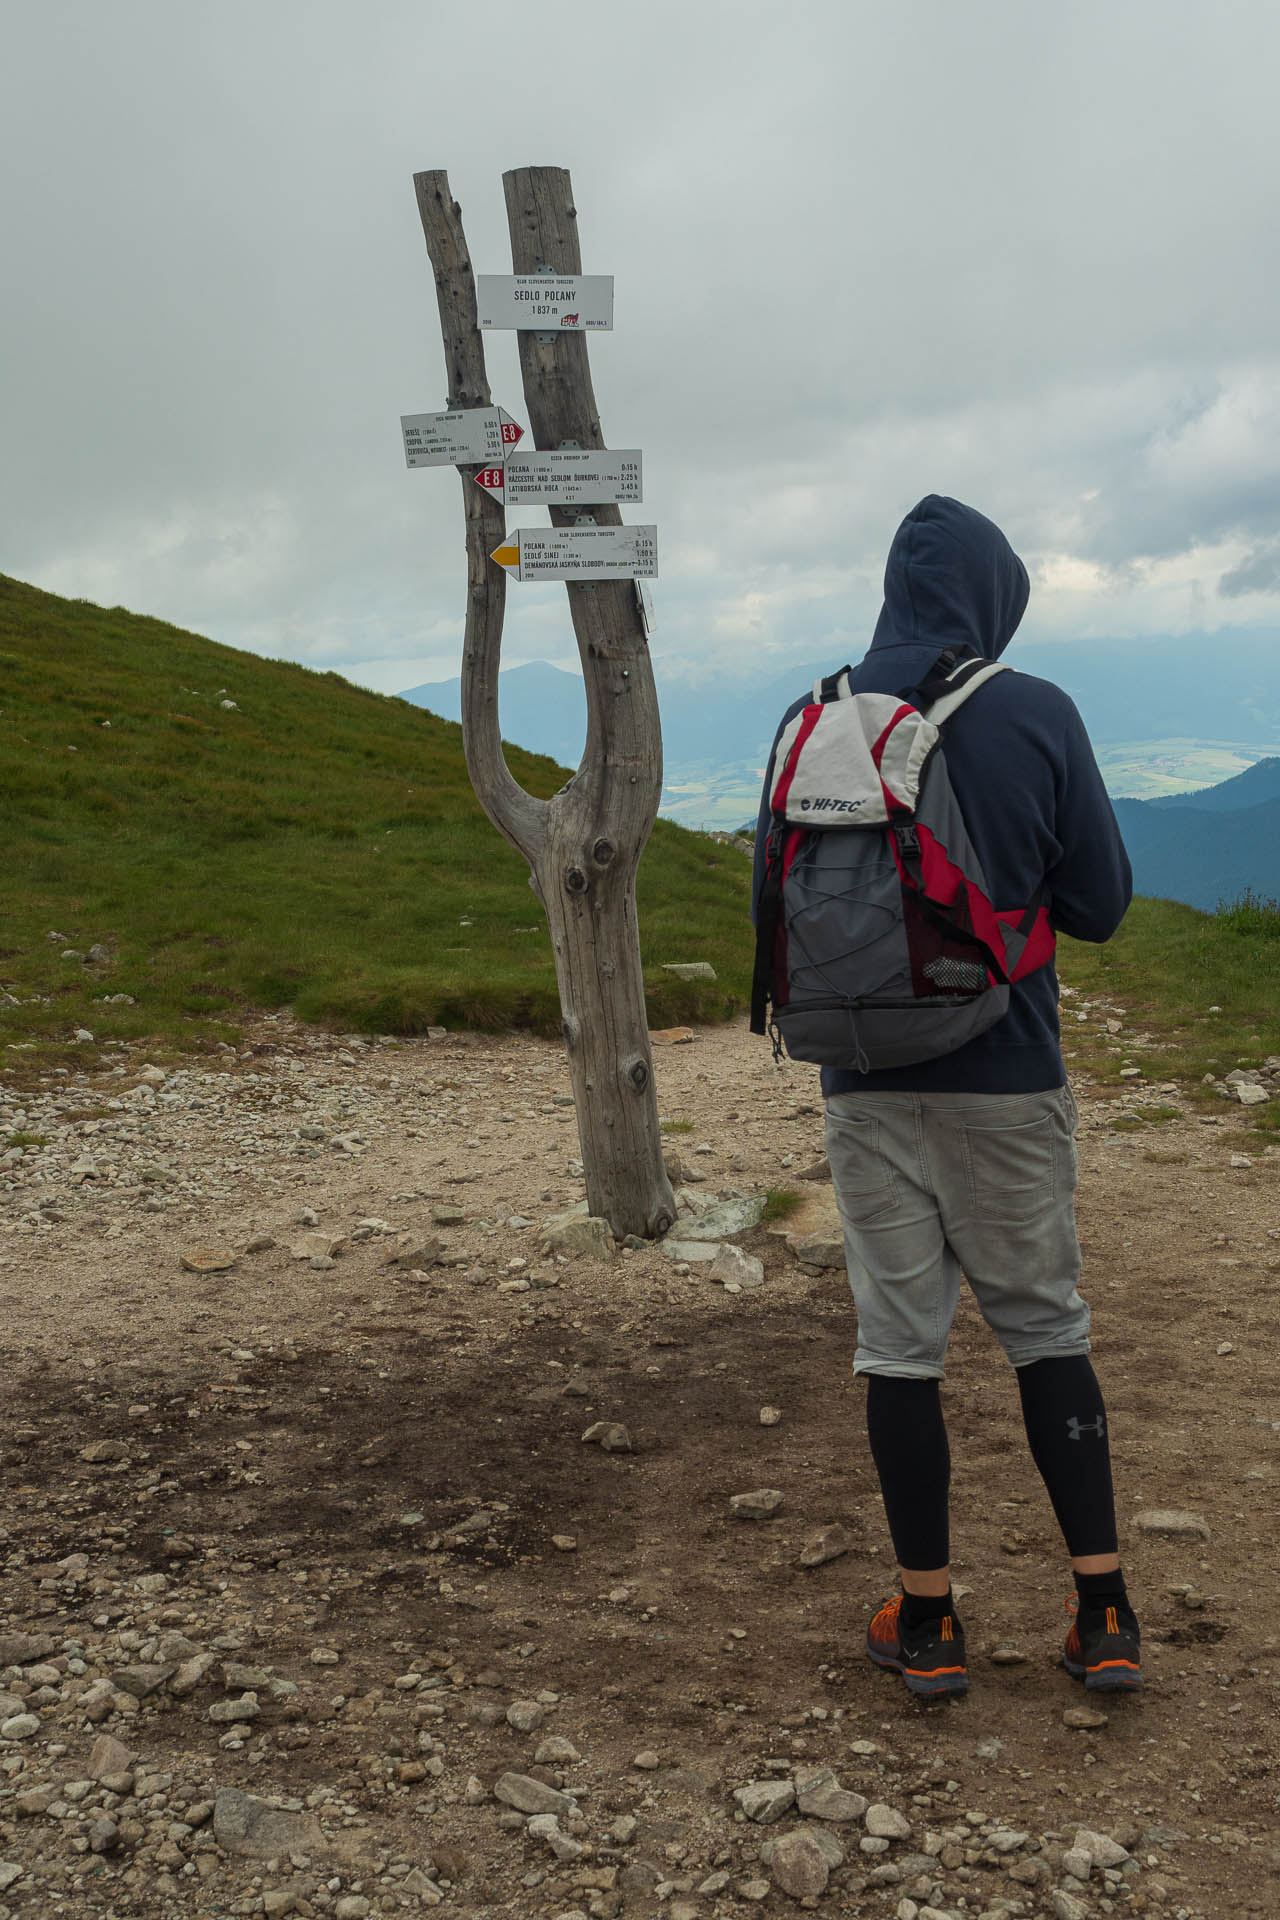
[(951, 579)]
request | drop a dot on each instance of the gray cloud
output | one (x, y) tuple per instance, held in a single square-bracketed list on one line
[(1260, 573), (1023, 255)]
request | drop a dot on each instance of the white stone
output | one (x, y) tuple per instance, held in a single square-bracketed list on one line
[(545, 1826), (720, 1220), (531, 1796), (756, 1505), (798, 1865), (732, 1264), (886, 1823), (1172, 1521), (577, 1231), (765, 1800), (1102, 1850), (820, 1796), (828, 1543)]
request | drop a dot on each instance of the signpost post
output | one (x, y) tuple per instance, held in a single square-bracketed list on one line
[(583, 845)]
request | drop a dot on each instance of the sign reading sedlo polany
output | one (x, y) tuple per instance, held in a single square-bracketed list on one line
[(545, 302)]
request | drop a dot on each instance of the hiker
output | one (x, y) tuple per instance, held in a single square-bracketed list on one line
[(965, 1159)]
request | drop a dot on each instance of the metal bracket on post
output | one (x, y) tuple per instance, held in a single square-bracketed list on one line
[(585, 520), (544, 339)]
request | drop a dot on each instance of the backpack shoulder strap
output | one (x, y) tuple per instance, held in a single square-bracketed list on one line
[(951, 681), (834, 687)]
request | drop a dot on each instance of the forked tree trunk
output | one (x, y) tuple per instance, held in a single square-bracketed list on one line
[(583, 846)]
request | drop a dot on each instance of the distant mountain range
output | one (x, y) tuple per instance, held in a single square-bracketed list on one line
[(1207, 848), (1152, 690), (1159, 713)]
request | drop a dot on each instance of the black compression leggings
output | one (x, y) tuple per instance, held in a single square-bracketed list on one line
[(1065, 1419)]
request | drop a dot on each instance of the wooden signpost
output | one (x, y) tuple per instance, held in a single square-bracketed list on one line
[(583, 845)]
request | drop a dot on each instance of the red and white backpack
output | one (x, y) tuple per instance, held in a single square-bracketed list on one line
[(877, 943)]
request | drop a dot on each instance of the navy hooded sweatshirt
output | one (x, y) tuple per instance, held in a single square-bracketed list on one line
[(1023, 772)]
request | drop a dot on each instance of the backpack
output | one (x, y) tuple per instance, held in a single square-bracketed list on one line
[(877, 943)]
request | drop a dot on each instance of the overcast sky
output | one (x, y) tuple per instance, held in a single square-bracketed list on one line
[(1023, 254)]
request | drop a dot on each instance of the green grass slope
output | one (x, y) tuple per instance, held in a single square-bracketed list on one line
[(1204, 987), (315, 845)]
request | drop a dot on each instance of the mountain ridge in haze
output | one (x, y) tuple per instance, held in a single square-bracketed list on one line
[(1203, 847)]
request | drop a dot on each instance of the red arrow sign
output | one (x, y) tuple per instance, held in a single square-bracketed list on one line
[(510, 432), (492, 479)]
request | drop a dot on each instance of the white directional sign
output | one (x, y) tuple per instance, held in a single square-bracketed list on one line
[(545, 302), (565, 478), (580, 553), (459, 438)]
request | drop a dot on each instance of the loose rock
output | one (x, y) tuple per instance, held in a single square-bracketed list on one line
[(757, 1505), (1084, 1718), (765, 1800), (886, 1823), (208, 1260), (531, 1796), (828, 1543), (245, 1825), (820, 1796), (578, 1232), (1173, 1522), (732, 1264), (799, 1864)]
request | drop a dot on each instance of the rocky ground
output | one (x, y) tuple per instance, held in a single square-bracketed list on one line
[(361, 1556)]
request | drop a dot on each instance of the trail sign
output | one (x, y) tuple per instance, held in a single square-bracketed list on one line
[(565, 478), (459, 438), (580, 553), (545, 302)]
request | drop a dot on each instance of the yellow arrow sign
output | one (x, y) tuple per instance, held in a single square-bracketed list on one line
[(506, 556)]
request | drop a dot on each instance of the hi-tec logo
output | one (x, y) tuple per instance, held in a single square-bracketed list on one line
[(831, 806)]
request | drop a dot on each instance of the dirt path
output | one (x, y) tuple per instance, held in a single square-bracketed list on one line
[(350, 1479)]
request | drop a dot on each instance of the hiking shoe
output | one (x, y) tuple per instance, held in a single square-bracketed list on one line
[(929, 1657), (1106, 1656)]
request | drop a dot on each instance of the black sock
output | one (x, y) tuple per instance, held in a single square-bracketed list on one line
[(1099, 1591), (918, 1609), (1066, 1424), (909, 1446)]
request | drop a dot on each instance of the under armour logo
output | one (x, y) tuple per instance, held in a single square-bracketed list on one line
[(1076, 1427)]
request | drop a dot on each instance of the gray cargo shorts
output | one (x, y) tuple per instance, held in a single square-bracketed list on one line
[(933, 1184)]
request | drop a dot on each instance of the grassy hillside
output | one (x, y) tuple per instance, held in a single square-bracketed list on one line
[(1205, 987), (313, 845)]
